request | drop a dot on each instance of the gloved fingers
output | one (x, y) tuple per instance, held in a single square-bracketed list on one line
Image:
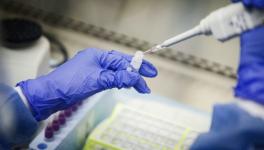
[(122, 79), (146, 69), (131, 79), (141, 86), (114, 62)]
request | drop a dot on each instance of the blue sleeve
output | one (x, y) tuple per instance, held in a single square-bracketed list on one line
[(232, 128), (17, 125), (250, 82)]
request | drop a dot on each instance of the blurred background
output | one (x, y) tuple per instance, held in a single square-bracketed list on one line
[(198, 72)]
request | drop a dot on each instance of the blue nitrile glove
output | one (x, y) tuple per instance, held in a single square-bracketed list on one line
[(252, 3), (232, 128), (250, 83), (89, 72)]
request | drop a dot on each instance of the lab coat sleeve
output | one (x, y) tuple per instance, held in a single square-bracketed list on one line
[(232, 128), (17, 124)]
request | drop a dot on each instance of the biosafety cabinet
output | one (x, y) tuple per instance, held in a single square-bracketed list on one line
[(192, 76)]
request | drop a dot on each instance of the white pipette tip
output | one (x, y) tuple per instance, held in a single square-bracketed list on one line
[(154, 49), (148, 51)]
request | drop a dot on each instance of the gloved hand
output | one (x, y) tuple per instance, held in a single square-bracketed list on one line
[(252, 3), (89, 72), (232, 128)]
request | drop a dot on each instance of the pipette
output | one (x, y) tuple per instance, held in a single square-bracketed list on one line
[(224, 24)]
